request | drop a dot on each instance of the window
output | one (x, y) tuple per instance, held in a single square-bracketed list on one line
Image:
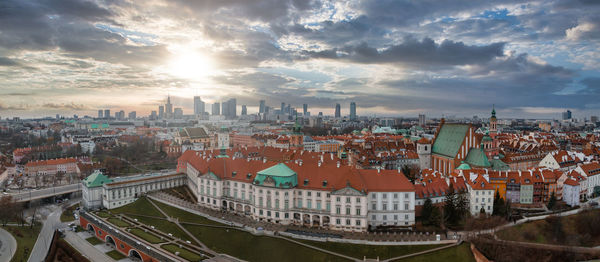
[(260, 212), (384, 217), (405, 206), (286, 215), (299, 193), (395, 217), (395, 206), (358, 211), (308, 193), (277, 214), (319, 204), (318, 194), (405, 195), (328, 206), (308, 204), (347, 222), (338, 210), (406, 217), (374, 206), (337, 199), (347, 210), (373, 217), (347, 200), (384, 206), (358, 200), (395, 195), (373, 196), (358, 222), (299, 203)]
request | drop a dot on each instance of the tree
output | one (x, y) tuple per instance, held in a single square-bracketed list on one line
[(434, 219), (481, 212), (427, 210), (499, 208), (407, 171), (8, 207), (450, 206), (552, 201)]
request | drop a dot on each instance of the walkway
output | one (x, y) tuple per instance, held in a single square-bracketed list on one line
[(8, 245), (52, 223), (85, 248)]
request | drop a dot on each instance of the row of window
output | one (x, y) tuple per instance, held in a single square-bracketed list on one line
[(395, 206)]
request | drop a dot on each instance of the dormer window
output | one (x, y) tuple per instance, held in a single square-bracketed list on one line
[(233, 174), (305, 182), (324, 183)]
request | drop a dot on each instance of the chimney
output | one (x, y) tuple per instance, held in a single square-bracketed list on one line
[(378, 169), (338, 164), (319, 163)]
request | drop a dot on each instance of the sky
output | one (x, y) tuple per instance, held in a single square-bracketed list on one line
[(530, 59)]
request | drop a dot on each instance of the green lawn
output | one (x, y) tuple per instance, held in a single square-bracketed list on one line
[(370, 251), (185, 216), (249, 247), (460, 253), (116, 255), (26, 238), (118, 222), (140, 207), (184, 253), (67, 215), (94, 241), (103, 214), (164, 226), (146, 236)]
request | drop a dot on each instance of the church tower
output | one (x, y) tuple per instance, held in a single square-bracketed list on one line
[(424, 152), (491, 140)]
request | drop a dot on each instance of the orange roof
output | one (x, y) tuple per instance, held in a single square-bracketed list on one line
[(58, 161)]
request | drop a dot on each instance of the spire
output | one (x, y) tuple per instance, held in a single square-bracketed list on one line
[(493, 110)]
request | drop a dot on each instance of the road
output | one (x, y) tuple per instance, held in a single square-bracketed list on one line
[(52, 223), (45, 192), (8, 245)]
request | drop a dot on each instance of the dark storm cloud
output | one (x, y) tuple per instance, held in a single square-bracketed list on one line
[(412, 51), (68, 27), (5, 61), (592, 85)]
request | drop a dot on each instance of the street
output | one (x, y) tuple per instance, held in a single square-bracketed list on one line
[(51, 223)]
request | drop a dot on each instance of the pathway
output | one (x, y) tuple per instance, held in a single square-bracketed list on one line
[(8, 245), (51, 224), (85, 248)]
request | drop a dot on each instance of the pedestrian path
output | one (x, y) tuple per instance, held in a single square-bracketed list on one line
[(8, 245)]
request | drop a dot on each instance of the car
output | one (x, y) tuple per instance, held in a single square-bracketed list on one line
[(593, 203)]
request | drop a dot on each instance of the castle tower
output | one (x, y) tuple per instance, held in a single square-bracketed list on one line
[(424, 152)]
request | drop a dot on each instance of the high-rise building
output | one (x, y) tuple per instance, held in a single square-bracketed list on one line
[(198, 106), (567, 115), (161, 112), (229, 108), (305, 109), (352, 111), (421, 119), (132, 115), (100, 113), (216, 109), (244, 110), (282, 108), (106, 113), (261, 107), (594, 119), (337, 111), (153, 115), (178, 113), (169, 108)]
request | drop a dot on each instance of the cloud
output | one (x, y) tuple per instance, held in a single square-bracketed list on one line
[(584, 31), (67, 106), (5, 61), (411, 51)]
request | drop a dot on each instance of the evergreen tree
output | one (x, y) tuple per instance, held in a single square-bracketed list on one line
[(499, 208), (462, 206), (427, 210), (552, 201), (434, 219), (450, 206), (482, 211)]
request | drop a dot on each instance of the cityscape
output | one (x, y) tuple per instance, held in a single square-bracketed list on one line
[(299, 130)]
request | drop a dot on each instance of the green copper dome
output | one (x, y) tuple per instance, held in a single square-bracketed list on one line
[(463, 166)]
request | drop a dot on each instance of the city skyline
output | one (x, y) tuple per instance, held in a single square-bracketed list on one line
[(532, 59)]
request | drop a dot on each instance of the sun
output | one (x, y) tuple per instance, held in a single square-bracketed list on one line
[(191, 65)]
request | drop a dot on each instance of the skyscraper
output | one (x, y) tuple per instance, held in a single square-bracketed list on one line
[(132, 115), (261, 107), (100, 113), (106, 113), (337, 111), (232, 108), (216, 108), (225, 108), (161, 112), (282, 108), (305, 109), (178, 113), (198, 106), (567, 115), (169, 108), (352, 111), (422, 119), (244, 110)]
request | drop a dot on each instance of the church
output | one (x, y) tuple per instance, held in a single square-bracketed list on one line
[(457, 145)]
